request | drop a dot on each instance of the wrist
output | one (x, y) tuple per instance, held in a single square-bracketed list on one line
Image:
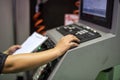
[(59, 51)]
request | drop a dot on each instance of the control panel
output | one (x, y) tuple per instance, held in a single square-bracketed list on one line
[(81, 32), (43, 72)]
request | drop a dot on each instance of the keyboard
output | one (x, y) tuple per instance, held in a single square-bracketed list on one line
[(81, 32)]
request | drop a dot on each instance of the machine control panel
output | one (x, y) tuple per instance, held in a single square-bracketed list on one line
[(43, 72), (81, 32)]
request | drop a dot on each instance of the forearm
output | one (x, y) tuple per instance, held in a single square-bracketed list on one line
[(22, 62)]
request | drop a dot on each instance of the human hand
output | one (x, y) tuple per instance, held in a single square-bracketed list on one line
[(66, 43), (12, 49)]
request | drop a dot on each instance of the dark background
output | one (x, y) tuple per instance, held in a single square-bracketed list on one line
[(52, 12)]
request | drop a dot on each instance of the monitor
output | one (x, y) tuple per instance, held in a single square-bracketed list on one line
[(97, 11)]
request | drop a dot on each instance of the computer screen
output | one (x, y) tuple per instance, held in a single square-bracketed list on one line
[(97, 11)]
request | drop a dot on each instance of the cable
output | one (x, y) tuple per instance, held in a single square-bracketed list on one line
[(77, 4), (38, 22)]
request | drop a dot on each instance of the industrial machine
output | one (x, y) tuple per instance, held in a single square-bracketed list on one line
[(99, 32)]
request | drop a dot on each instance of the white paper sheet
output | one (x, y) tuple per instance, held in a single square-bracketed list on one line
[(31, 43)]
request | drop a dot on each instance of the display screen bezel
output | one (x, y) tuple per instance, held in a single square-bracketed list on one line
[(102, 21)]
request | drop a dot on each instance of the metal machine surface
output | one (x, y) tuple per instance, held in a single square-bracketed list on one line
[(89, 58)]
